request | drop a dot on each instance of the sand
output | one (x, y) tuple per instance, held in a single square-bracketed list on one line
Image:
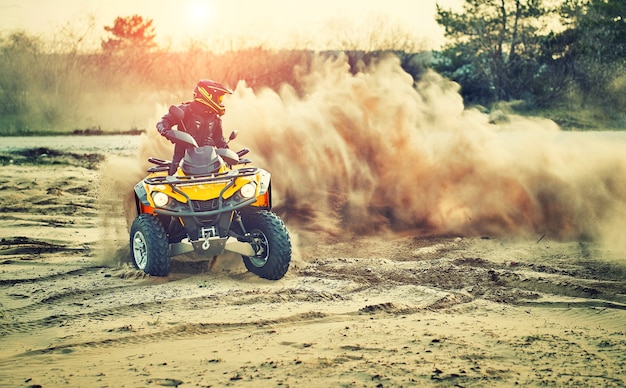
[(390, 310)]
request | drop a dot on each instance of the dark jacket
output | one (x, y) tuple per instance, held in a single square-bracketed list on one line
[(203, 124)]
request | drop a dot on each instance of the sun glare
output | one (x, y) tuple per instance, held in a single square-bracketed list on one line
[(199, 13)]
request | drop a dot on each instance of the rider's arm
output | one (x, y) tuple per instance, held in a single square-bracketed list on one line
[(168, 121), (218, 135)]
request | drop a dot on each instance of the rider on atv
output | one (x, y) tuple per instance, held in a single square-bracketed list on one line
[(202, 119), (217, 202)]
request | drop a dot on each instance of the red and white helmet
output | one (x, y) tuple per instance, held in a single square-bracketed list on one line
[(211, 93)]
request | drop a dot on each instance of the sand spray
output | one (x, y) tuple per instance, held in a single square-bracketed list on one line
[(377, 152)]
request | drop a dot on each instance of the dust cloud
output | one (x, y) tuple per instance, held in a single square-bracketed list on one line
[(116, 202), (374, 152)]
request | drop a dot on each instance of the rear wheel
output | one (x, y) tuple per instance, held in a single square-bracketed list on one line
[(272, 245), (149, 249)]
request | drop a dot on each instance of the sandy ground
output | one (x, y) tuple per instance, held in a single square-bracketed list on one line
[(385, 311)]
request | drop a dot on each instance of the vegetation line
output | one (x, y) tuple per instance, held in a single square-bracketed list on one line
[(564, 60)]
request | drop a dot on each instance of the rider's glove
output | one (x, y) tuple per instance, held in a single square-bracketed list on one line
[(169, 135), (161, 128)]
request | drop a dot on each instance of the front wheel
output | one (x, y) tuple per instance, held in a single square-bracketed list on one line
[(272, 245), (149, 249)]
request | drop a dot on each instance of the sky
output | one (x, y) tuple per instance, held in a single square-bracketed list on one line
[(282, 22)]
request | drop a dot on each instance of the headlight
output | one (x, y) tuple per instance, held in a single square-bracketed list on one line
[(248, 190), (160, 199)]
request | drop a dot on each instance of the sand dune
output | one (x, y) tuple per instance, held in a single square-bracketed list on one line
[(384, 310)]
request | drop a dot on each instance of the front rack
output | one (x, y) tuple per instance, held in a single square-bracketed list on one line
[(205, 178)]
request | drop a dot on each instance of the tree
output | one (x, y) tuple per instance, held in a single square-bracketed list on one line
[(129, 34), (494, 46), (130, 48), (592, 49), (596, 27), (19, 54)]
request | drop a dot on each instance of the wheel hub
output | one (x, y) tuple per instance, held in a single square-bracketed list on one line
[(140, 252), (261, 247)]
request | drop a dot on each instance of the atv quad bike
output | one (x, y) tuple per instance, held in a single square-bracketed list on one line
[(208, 207)]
